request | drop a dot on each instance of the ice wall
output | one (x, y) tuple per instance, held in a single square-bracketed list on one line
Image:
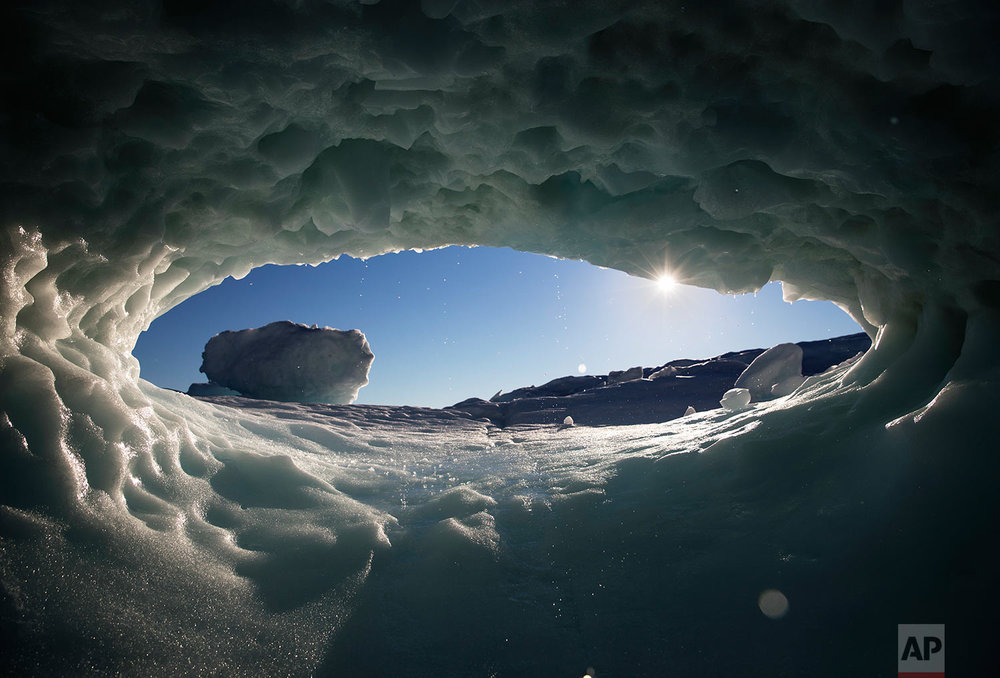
[(150, 149)]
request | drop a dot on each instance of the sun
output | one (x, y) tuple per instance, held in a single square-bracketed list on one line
[(666, 283)]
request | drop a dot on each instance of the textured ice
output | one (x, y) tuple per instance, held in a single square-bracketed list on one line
[(735, 399), (288, 361), (775, 372), (150, 149)]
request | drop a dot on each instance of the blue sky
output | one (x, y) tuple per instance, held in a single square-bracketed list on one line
[(449, 324)]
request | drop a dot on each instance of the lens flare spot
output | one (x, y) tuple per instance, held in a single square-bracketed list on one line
[(773, 603), (582, 368)]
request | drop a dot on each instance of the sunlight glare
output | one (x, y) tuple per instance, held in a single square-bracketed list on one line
[(666, 283)]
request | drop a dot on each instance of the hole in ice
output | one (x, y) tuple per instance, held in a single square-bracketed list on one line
[(455, 323)]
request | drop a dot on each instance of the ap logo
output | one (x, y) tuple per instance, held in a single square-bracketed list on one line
[(921, 651)]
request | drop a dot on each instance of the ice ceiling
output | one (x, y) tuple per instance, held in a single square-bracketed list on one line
[(159, 147)]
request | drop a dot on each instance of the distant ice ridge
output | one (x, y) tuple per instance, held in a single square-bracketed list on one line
[(288, 361), (645, 395)]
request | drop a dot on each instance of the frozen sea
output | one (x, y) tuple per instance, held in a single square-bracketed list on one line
[(294, 539)]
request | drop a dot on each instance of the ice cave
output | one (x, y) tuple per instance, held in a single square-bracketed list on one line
[(152, 148)]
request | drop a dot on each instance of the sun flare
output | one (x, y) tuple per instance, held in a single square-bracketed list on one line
[(666, 283)]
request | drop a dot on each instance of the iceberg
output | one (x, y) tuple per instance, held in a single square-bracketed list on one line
[(775, 372), (288, 361), (735, 399)]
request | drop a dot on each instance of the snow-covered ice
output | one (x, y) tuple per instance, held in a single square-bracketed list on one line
[(151, 149), (775, 372), (735, 399), (288, 361)]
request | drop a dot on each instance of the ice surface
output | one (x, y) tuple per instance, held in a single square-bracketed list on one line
[(150, 149), (288, 361)]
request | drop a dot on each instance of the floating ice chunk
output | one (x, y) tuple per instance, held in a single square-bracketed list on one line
[(736, 399), (290, 362), (689, 411), (775, 372), (568, 421)]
